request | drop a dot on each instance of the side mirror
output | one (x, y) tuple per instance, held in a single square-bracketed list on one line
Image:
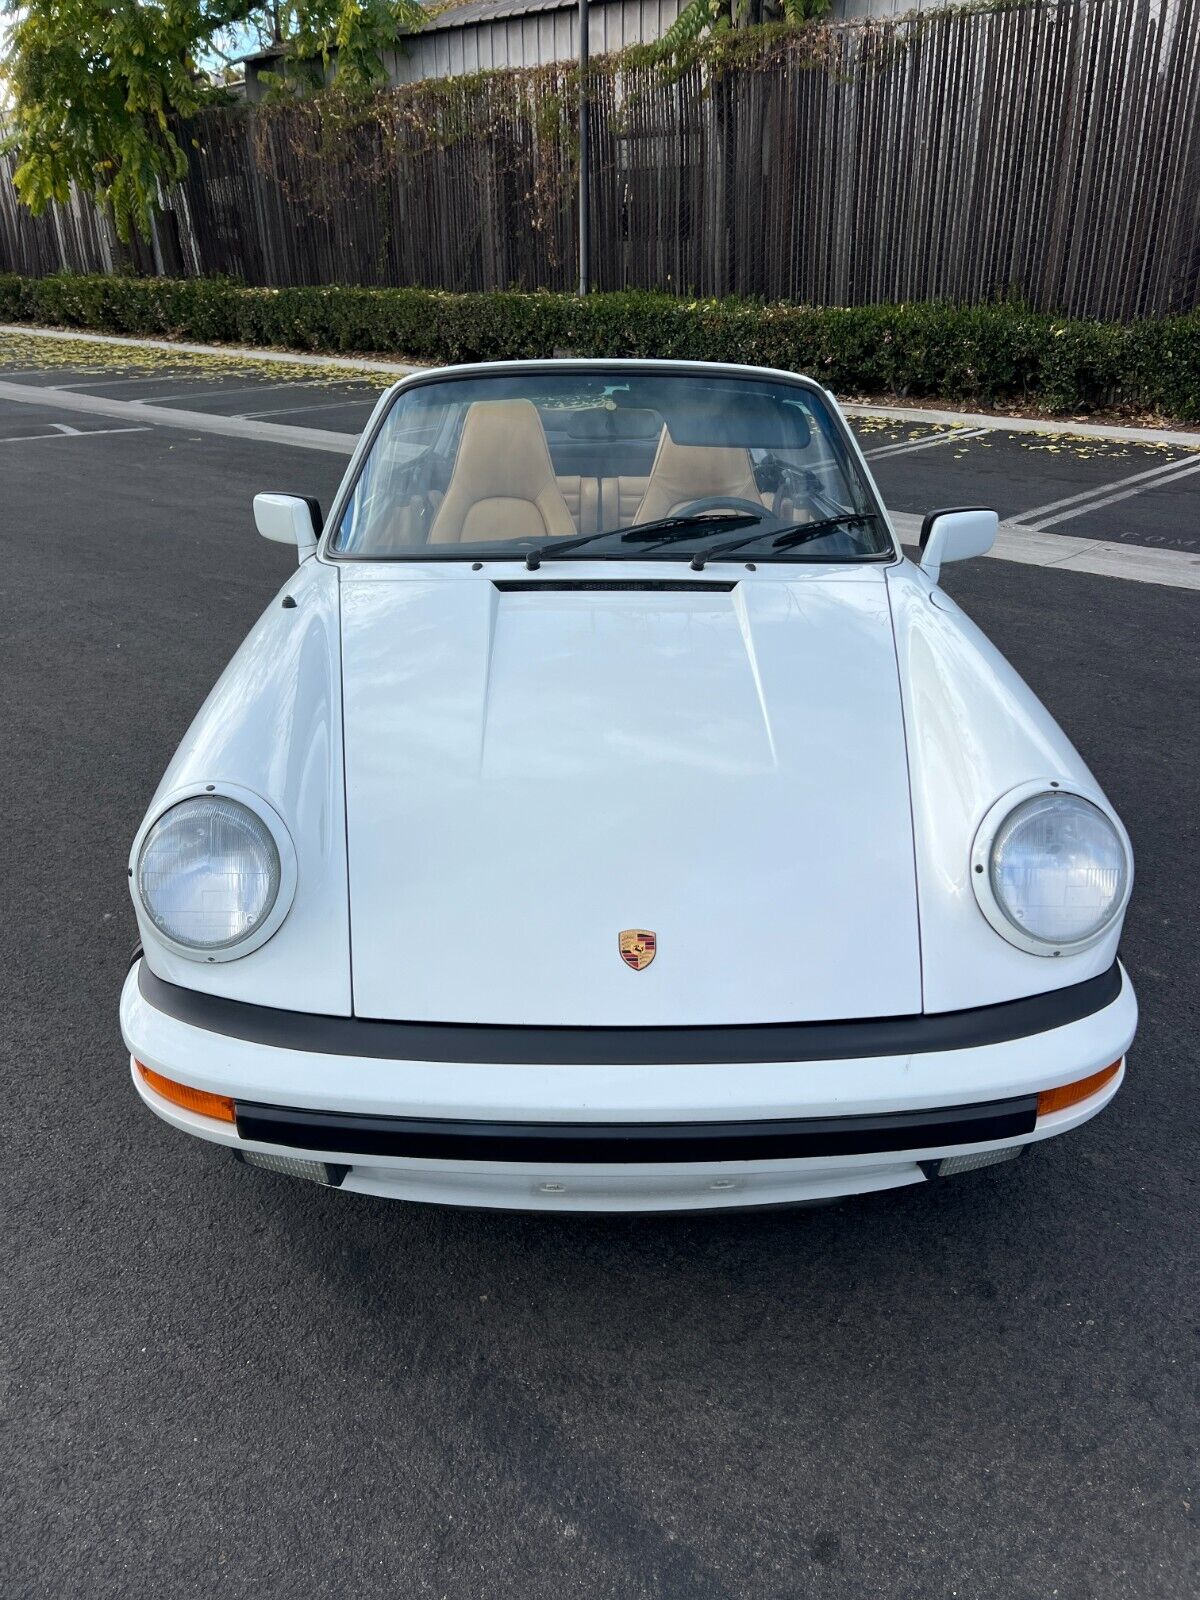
[(289, 519), (955, 535)]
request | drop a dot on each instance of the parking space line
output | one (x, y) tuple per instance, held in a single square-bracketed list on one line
[(27, 372), (93, 383), (1043, 427), (96, 405), (221, 394), (61, 431), (1175, 569), (886, 449), (322, 405), (925, 442), (1106, 494), (1098, 489)]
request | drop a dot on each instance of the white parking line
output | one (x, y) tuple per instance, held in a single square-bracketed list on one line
[(1107, 494), (323, 405), (1044, 427), (925, 442), (96, 405), (1176, 569), (221, 394), (93, 383), (62, 431), (27, 372)]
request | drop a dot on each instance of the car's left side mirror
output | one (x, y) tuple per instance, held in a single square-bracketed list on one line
[(955, 535), (289, 519)]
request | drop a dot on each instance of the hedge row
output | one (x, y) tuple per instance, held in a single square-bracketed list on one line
[(989, 355)]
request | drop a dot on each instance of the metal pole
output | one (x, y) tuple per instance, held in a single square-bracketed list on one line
[(584, 174)]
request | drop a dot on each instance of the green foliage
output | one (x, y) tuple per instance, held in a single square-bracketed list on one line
[(701, 18), (96, 87), (995, 355), (696, 18)]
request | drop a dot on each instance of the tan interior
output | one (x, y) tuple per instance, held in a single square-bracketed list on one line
[(503, 485), (599, 503), (682, 473)]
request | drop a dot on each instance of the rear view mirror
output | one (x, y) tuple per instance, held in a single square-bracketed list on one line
[(955, 535), (289, 519)]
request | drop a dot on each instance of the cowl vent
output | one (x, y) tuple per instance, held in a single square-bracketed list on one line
[(613, 585)]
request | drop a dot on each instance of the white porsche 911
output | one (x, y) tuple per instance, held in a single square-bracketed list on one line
[(607, 816)]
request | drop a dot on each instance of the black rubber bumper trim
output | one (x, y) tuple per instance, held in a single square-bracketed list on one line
[(648, 1143), (610, 1047)]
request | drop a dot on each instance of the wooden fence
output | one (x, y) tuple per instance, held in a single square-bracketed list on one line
[(1048, 151)]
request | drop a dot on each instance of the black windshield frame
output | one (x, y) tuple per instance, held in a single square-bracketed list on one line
[(474, 557)]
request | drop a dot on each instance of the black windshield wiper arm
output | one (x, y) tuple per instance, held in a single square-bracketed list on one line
[(664, 531), (801, 533)]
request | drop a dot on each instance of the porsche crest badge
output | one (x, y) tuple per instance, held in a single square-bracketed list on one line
[(638, 946)]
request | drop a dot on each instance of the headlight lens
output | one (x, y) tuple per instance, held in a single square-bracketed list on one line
[(1059, 869), (208, 873)]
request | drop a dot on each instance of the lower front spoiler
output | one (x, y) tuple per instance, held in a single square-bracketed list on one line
[(628, 1190), (624, 1168)]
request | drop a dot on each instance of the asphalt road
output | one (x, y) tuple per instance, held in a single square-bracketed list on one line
[(221, 1381)]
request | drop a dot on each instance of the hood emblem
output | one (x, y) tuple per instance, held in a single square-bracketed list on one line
[(638, 947)]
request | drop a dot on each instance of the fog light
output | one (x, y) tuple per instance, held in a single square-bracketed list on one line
[(323, 1172), (949, 1165)]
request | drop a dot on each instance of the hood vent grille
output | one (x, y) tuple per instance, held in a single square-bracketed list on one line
[(613, 585)]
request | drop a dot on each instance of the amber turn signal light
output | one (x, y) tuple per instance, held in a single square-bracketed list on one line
[(217, 1106), (1070, 1094)]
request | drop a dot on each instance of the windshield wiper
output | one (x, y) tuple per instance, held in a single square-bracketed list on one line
[(801, 533), (666, 530)]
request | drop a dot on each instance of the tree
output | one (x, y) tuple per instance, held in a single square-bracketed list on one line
[(96, 88)]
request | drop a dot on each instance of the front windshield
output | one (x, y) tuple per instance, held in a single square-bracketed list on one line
[(598, 465)]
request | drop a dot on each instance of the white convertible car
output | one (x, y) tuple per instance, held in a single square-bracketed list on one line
[(607, 816)]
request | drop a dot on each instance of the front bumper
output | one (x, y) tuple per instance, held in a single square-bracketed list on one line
[(656, 1133)]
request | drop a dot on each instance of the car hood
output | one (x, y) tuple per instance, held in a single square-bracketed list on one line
[(533, 767)]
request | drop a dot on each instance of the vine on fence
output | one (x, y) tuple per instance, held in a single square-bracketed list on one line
[(348, 142)]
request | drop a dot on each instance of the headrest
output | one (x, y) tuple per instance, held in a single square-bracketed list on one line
[(503, 450)]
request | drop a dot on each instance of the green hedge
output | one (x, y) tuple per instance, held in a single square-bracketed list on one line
[(987, 355)]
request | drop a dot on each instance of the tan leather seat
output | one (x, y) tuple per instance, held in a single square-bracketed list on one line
[(620, 498), (582, 496), (685, 472), (503, 484)]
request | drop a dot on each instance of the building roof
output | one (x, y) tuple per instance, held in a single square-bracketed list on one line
[(454, 16), (473, 11)]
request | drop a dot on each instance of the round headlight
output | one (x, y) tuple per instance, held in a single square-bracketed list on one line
[(1058, 870), (208, 873)]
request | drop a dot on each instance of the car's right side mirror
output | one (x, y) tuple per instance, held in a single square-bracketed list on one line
[(289, 519), (955, 535)]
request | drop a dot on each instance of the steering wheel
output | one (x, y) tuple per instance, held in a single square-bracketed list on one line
[(720, 502)]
